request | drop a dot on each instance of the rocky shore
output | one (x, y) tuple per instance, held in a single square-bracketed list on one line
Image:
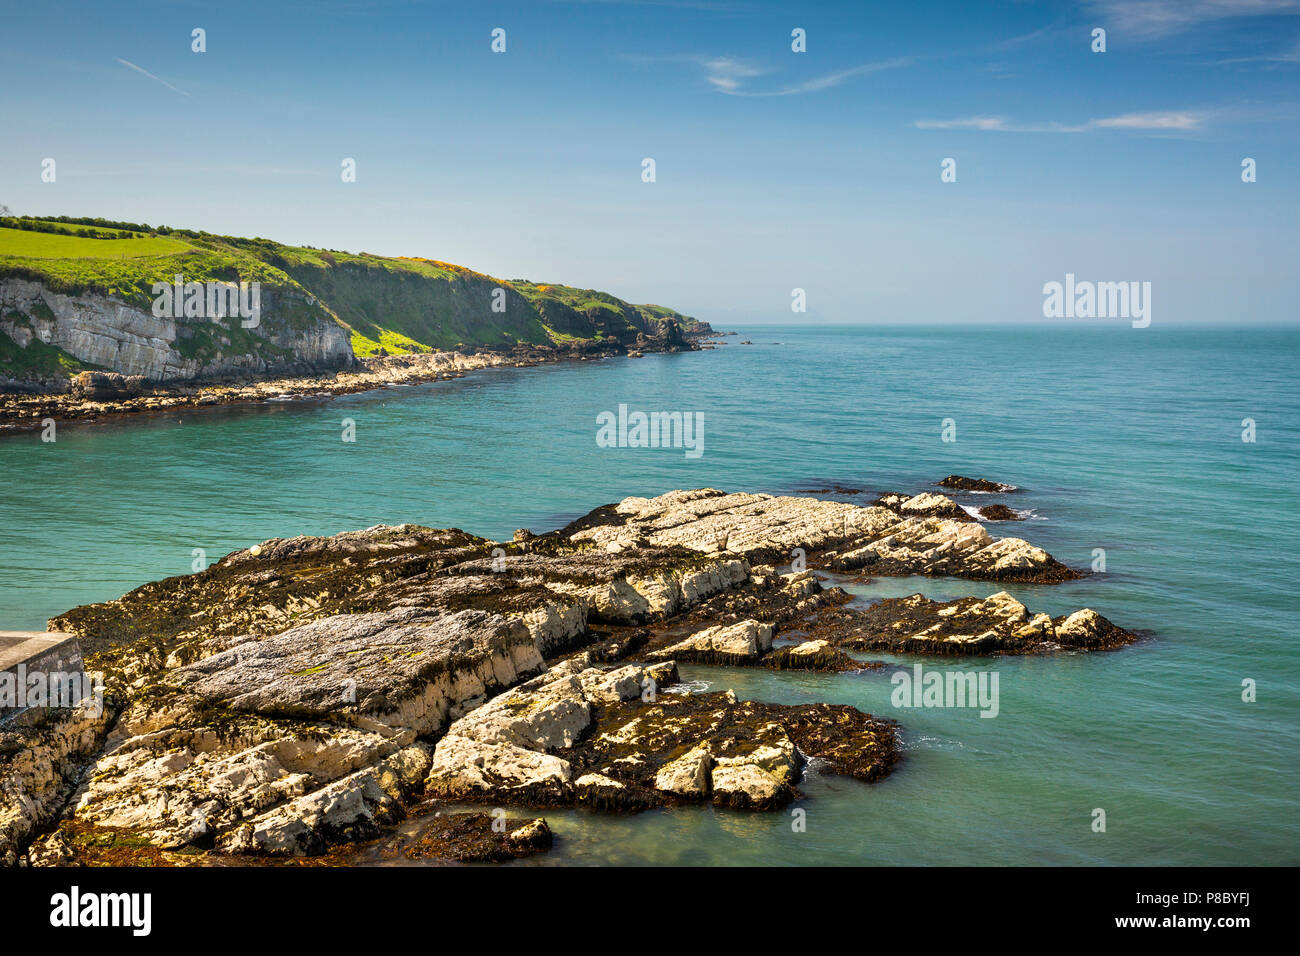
[(92, 396), (310, 695)]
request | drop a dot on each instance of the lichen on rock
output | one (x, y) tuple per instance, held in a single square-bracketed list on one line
[(998, 624), (610, 738)]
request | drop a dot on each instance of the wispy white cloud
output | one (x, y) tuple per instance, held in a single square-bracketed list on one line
[(995, 123), (835, 79), (1177, 120), (159, 79), (1147, 19), (729, 75), (1162, 122)]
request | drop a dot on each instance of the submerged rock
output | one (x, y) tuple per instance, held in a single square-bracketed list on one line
[(925, 505), (473, 838), (962, 483), (1000, 513), (817, 655)]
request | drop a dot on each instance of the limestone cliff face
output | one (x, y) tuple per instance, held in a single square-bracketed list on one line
[(103, 331)]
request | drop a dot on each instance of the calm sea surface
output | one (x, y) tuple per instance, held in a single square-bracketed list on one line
[(1121, 439)]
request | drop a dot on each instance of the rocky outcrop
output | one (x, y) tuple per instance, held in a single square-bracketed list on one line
[(743, 643), (1000, 513), (307, 693), (402, 669), (996, 624), (962, 483), (40, 766), (832, 534), (288, 745), (748, 643), (433, 836), (296, 718), (924, 505), (612, 739), (107, 386), (353, 808)]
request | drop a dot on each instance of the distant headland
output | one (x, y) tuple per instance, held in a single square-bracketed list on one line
[(100, 316)]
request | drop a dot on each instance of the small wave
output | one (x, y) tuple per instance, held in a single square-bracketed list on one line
[(931, 742), (1024, 514), (689, 687), (816, 766)]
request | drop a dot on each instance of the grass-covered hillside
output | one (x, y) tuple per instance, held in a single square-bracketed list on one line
[(391, 304), (567, 313), (124, 260)]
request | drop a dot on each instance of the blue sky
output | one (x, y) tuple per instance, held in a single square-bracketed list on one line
[(775, 170)]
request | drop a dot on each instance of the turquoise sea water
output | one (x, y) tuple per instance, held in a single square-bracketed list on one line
[(1121, 439)]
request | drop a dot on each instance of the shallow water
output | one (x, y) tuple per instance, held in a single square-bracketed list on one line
[(1121, 439)]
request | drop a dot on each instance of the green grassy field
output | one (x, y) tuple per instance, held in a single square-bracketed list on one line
[(48, 245)]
